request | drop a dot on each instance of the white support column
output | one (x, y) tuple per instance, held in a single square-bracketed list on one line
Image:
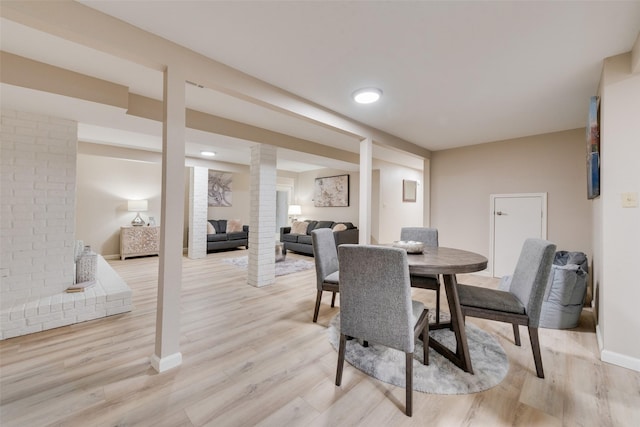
[(426, 193), (262, 218), (167, 354), (198, 191), (366, 170)]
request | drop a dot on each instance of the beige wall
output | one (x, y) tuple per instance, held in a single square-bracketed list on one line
[(616, 229), (304, 197), (393, 213), (463, 179), (107, 178), (104, 186), (239, 208), (388, 212)]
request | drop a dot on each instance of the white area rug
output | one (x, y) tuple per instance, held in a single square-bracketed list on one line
[(287, 266), (489, 361)]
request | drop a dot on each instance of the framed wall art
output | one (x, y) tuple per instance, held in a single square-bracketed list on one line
[(409, 190), (219, 192), (593, 149), (331, 191)]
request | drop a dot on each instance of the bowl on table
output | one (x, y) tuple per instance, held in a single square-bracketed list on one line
[(411, 246)]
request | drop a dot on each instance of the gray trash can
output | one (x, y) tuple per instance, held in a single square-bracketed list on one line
[(566, 290)]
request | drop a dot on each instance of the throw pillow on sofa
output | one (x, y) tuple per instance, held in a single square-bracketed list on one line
[(339, 227), (210, 229), (299, 227), (234, 226)]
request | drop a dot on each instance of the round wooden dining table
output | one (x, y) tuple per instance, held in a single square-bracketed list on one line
[(448, 262)]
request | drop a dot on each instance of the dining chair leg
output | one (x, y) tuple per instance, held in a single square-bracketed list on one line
[(333, 300), (516, 333), (315, 313), (438, 303), (341, 348), (422, 332), (535, 347), (425, 346), (409, 383)]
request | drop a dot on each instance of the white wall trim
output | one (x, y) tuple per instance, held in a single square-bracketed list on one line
[(620, 360), (616, 358)]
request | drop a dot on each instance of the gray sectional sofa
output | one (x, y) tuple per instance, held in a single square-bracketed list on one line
[(221, 239), (302, 242)]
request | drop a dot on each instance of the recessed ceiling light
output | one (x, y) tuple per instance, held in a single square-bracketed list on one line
[(208, 153), (367, 95)]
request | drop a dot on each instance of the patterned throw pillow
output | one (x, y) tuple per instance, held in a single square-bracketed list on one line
[(234, 225), (339, 227), (299, 227), (210, 229)]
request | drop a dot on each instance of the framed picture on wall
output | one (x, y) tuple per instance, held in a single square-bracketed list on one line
[(331, 191), (409, 190), (593, 149), (220, 188)]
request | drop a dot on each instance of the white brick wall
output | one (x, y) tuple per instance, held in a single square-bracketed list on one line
[(262, 203), (38, 172), (37, 230), (198, 201)]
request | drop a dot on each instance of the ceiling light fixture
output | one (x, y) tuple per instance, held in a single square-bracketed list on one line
[(208, 153), (367, 95)]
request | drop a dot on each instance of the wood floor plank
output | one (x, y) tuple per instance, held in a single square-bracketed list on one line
[(252, 356)]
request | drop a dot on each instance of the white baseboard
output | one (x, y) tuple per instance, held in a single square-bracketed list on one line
[(166, 363), (616, 358), (620, 360)]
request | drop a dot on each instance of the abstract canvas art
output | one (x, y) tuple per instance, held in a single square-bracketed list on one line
[(220, 188), (593, 149), (331, 191)]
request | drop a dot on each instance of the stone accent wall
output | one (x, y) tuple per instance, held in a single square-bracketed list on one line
[(198, 204), (261, 271)]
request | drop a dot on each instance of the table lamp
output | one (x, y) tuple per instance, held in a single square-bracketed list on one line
[(138, 206), (294, 210)]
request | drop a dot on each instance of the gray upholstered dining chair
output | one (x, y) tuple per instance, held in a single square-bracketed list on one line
[(376, 305), (326, 260), (428, 236), (522, 303)]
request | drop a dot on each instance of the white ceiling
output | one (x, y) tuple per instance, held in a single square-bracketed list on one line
[(453, 73)]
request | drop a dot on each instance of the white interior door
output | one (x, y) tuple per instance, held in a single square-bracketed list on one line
[(514, 218)]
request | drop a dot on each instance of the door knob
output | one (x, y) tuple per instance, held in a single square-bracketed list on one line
[(501, 213)]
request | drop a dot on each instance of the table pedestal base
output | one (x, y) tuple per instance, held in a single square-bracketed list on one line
[(461, 356)]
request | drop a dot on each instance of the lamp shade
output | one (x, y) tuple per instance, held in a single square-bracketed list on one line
[(295, 210), (138, 205)]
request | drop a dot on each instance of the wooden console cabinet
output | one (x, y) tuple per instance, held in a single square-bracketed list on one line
[(139, 241)]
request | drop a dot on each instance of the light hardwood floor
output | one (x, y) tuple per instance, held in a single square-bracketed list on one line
[(253, 357)]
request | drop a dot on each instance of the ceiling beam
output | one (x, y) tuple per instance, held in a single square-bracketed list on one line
[(142, 106), (82, 24), (19, 71)]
